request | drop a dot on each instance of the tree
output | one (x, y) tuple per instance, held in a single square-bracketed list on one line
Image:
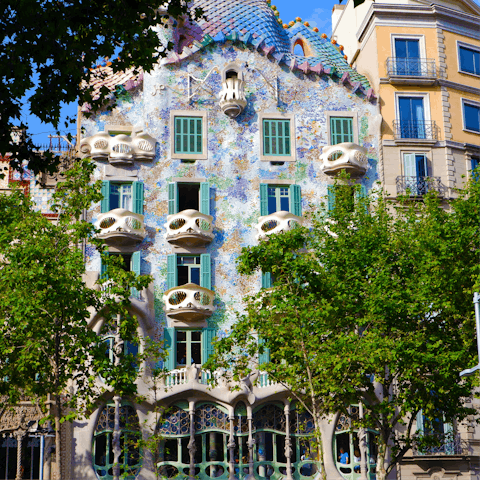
[(46, 348), (49, 49), (371, 306)]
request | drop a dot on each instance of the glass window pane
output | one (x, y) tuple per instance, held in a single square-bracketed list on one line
[(472, 117), (181, 354), (284, 204), (196, 336), (195, 275), (272, 204), (196, 353), (467, 60), (100, 450), (181, 336), (114, 196)]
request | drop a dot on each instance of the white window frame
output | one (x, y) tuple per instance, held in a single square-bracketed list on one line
[(470, 47), (189, 113), (426, 153), (293, 145), (114, 130), (426, 103), (420, 38), (473, 103), (352, 115)]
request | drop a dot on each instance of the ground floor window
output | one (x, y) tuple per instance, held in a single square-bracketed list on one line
[(30, 457), (222, 442), (103, 454)]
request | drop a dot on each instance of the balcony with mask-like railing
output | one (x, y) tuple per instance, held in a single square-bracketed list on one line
[(119, 149), (232, 97), (415, 131), (189, 303), (411, 71), (348, 157), (121, 228), (277, 222), (416, 186), (189, 228)]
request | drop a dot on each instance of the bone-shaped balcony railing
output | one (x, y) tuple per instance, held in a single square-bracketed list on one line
[(189, 228), (277, 222), (346, 156), (189, 302), (232, 97), (120, 148), (126, 226)]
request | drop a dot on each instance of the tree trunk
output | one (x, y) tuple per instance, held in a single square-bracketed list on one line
[(116, 440), (381, 470), (319, 441), (58, 413)]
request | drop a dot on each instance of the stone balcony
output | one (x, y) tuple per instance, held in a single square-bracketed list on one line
[(121, 228), (232, 97), (189, 303), (189, 228), (277, 222), (348, 157), (121, 149)]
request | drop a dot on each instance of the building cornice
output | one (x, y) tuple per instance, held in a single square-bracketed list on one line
[(443, 83)]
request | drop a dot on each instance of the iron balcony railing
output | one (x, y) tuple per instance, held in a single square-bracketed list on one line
[(418, 186), (423, 130), (445, 444), (411, 67)]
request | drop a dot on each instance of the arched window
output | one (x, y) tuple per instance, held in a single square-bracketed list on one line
[(347, 447), (103, 455), (298, 48)]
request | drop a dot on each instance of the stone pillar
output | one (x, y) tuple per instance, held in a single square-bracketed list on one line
[(116, 439), (231, 445), (191, 444), (288, 442), (212, 452), (19, 434), (250, 443), (362, 443), (261, 454)]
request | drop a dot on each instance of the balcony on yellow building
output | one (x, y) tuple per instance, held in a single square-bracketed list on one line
[(189, 228), (121, 228), (411, 71), (415, 131), (189, 302)]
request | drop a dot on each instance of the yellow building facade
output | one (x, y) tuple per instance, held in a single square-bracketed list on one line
[(423, 61)]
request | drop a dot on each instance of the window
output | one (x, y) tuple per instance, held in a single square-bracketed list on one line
[(469, 59), (346, 195), (276, 137), (474, 165), (471, 116), (103, 443), (185, 347), (407, 56), (185, 196), (30, 457), (122, 195), (347, 447), (129, 348), (277, 142), (276, 198), (183, 269), (189, 134), (412, 118), (341, 130), (441, 437), (131, 263)]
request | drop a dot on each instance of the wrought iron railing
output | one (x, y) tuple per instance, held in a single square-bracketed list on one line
[(445, 444), (426, 130), (411, 67), (418, 186)]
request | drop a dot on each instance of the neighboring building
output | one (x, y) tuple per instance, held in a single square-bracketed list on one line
[(423, 60), (217, 147)]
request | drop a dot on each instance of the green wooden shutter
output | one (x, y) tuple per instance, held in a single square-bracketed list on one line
[(331, 197), (135, 267), (263, 199), (138, 197), (172, 272), (208, 334), (172, 198), (188, 135), (170, 346), (276, 137), (266, 280), (205, 271), (205, 198), (341, 130), (105, 204), (420, 424), (103, 268), (295, 200), (265, 356)]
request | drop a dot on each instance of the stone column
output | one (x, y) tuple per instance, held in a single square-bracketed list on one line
[(116, 439), (288, 442), (362, 442), (212, 452), (231, 444), (250, 443), (19, 434), (191, 444), (261, 454)]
